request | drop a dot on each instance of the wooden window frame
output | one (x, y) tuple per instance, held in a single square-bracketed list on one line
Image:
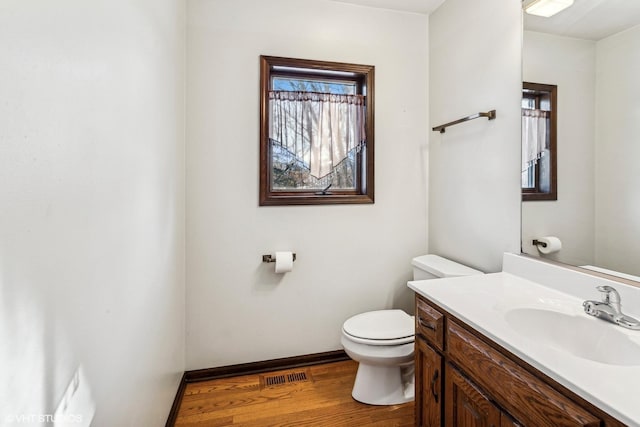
[(535, 194), (363, 194)]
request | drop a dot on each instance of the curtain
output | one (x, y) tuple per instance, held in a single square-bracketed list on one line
[(319, 129), (534, 136)]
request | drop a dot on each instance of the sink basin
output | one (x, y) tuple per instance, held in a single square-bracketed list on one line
[(581, 335)]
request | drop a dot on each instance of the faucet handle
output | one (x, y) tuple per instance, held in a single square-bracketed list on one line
[(609, 294), (590, 308)]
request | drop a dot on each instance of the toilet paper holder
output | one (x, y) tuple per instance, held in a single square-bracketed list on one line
[(270, 258), (539, 243)]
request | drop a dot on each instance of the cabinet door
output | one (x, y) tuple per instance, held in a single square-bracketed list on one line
[(465, 405), (428, 385)]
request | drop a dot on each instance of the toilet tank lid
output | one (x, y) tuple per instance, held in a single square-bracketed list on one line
[(442, 267)]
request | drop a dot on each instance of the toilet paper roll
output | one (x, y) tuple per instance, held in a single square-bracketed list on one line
[(553, 244), (284, 262)]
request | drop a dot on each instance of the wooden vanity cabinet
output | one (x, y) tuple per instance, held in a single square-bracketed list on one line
[(429, 393), (463, 379), (467, 406)]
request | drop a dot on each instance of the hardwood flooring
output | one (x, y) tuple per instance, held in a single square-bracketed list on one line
[(317, 395)]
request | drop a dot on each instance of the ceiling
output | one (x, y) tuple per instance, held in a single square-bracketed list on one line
[(586, 19), (416, 6)]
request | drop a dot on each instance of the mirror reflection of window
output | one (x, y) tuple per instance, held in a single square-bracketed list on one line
[(539, 123)]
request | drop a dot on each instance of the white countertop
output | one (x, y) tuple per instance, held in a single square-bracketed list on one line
[(482, 302)]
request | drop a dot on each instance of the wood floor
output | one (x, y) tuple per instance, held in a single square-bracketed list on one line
[(317, 395)]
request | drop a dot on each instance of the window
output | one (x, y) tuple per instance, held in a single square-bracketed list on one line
[(316, 132), (539, 159)]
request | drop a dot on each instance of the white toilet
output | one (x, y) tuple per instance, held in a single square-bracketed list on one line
[(382, 341)]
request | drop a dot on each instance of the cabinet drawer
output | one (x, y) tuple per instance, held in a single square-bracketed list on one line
[(525, 396), (429, 323)]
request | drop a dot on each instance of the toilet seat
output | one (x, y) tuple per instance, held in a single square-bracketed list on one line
[(381, 327)]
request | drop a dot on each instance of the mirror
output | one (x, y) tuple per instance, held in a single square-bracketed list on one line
[(591, 51)]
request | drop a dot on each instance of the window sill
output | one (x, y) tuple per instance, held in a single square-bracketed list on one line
[(533, 197), (311, 199)]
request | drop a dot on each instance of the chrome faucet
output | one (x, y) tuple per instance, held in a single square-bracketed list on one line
[(610, 309)]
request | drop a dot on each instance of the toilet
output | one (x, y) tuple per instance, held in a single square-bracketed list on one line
[(382, 341)]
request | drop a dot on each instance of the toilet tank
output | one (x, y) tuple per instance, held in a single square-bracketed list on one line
[(434, 267)]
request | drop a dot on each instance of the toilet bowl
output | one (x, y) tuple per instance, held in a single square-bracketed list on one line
[(382, 342)]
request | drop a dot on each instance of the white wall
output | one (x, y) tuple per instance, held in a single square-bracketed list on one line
[(570, 64), (350, 258), (474, 188), (617, 153), (91, 210)]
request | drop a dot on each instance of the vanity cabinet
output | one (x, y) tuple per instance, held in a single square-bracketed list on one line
[(466, 405), (429, 375), (463, 379)]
